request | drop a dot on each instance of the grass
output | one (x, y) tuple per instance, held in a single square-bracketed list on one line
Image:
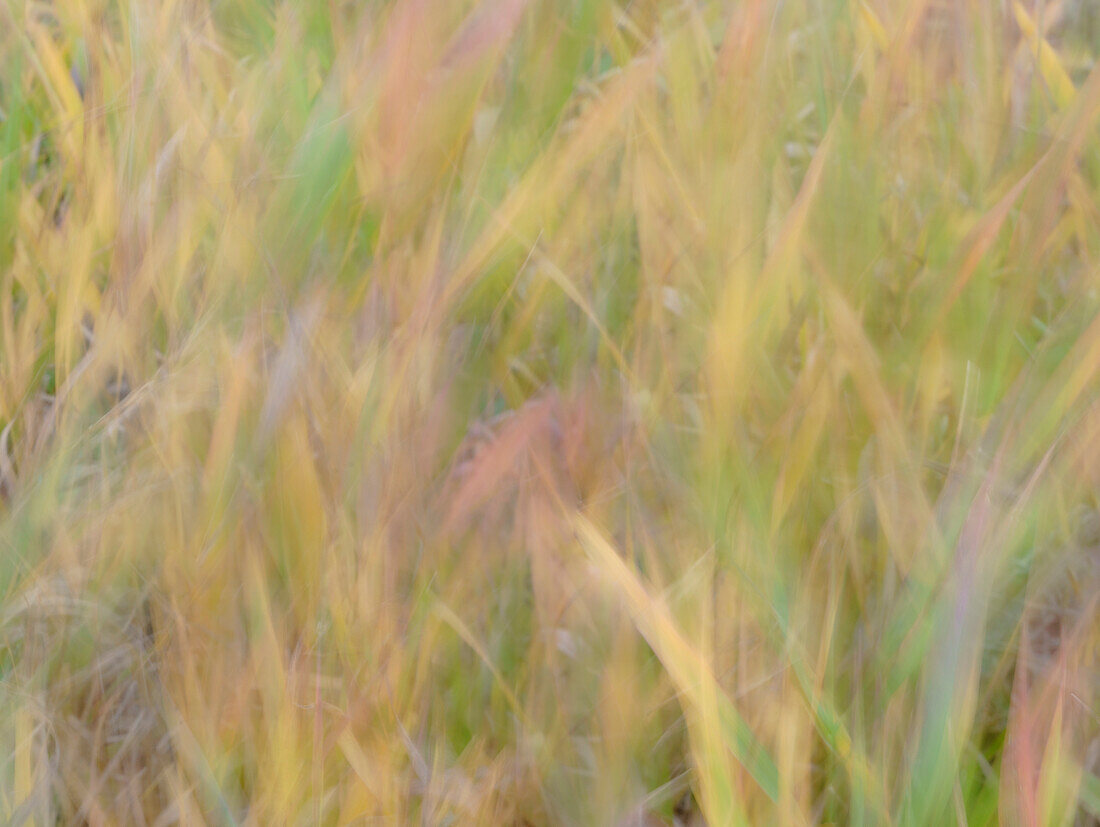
[(530, 412)]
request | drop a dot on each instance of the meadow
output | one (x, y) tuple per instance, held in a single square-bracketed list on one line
[(538, 412)]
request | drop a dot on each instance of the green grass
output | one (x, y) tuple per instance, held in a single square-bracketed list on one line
[(530, 412)]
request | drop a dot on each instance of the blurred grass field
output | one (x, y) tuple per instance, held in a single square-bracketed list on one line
[(523, 412)]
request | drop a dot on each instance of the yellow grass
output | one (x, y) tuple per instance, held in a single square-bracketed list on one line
[(549, 412)]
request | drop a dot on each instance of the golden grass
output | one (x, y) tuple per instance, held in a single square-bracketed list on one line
[(530, 412)]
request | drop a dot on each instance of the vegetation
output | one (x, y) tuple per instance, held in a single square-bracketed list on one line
[(549, 412)]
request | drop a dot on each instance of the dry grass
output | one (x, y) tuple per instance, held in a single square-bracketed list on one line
[(537, 412)]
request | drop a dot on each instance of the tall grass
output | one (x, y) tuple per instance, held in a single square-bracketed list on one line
[(549, 412)]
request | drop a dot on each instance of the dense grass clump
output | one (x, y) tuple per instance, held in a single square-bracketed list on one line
[(549, 412)]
